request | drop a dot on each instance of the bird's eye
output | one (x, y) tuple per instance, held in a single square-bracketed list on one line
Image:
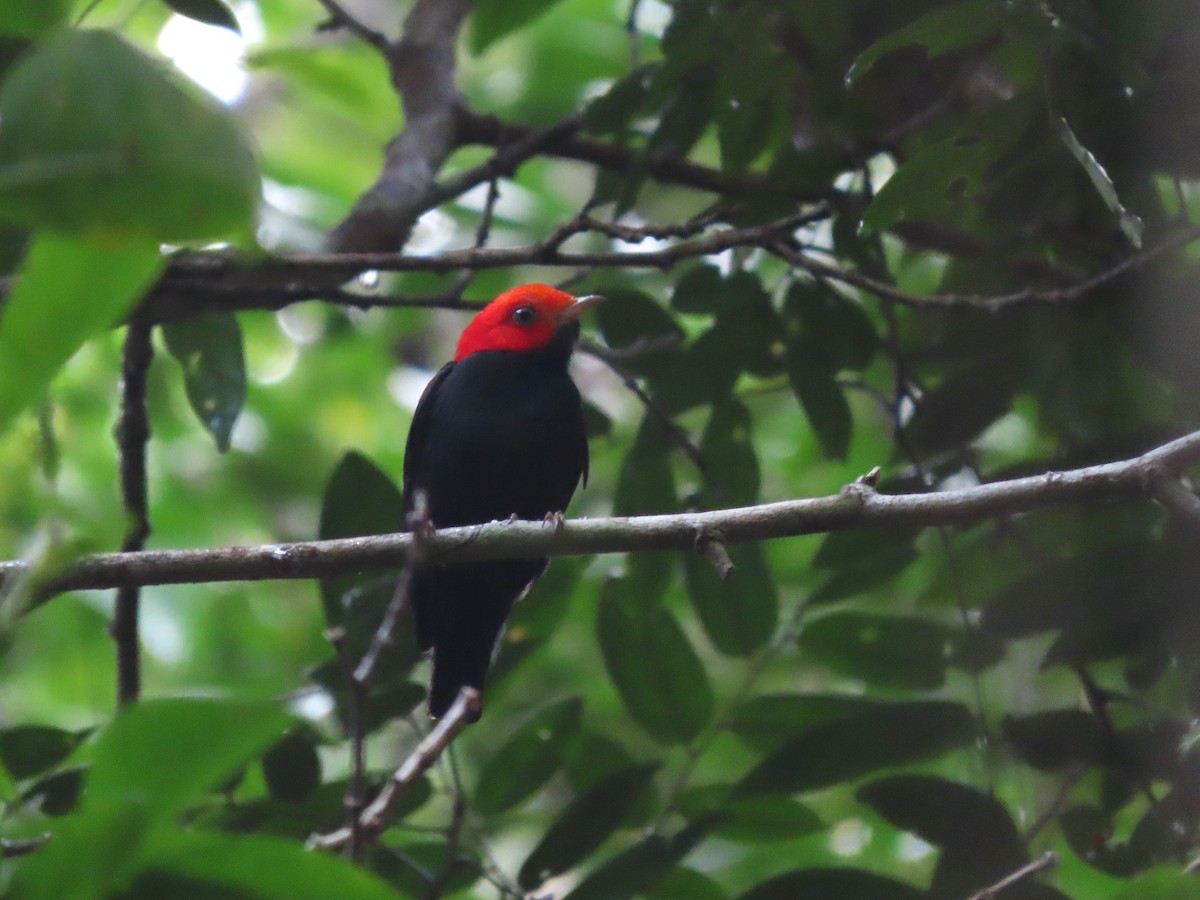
[(524, 315)]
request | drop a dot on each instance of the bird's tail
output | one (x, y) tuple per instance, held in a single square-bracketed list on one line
[(456, 666)]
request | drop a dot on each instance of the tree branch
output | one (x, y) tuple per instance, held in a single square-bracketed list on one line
[(422, 70), (858, 505), (133, 433)]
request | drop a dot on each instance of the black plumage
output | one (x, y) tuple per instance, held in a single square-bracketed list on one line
[(496, 434)]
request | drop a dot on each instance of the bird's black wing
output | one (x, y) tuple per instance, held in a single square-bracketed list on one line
[(418, 432)]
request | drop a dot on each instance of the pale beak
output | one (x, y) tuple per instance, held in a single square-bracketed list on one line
[(579, 307)]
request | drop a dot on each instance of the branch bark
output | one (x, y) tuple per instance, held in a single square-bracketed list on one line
[(858, 505)]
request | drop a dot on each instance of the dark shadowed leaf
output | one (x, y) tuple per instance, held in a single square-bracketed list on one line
[(1056, 739), (740, 614), (359, 499), (824, 403), (209, 347), (646, 485), (955, 411), (656, 671), (680, 881), (729, 456), (292, 768), (28, 750), (764, 722), (613, 111), (945, 29), (493, 19), (831, 331), (593, 756), (409, 866), (749, 820), (210, 12), (630, 319), (57, 794), (860, 743), (832, 884), (889, 651), (584, 825), (529, 758), (635, 869)]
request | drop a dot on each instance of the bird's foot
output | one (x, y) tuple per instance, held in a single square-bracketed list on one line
[(557, 519)]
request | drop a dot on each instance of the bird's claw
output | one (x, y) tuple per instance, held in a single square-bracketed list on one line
[(557, 519)]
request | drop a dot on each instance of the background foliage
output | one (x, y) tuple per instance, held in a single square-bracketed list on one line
[(868, 714)]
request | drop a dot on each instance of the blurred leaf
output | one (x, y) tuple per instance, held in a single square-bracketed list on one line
[(408, 866), (831, 329), (1056, 739), (729, 454), (292, 768), (69, 290), (614, 110), (680, 881), (904, 652), (739, 615), (584, 825), (594, 756), (156, 162), (210, 12), (267, 867), (28, 750), (947, 28), (1131, 225), (888, 734), (628, 319), (209, 348), (493, 19), (979, 840), (529, 758), (646, 485), (637, 868), (660, 679), (173, 751), (824, 403), (57, 794), (31, 17), (749, 820), (954, 412), (832, 884), (764, 722), (1161, 884), (359, 499)]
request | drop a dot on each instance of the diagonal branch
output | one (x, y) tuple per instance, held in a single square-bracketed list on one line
[(858, 505)]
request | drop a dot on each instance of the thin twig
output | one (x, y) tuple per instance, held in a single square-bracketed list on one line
[(133, 433), (1046, 861), (376, 816), (340, 18), (856, 506)]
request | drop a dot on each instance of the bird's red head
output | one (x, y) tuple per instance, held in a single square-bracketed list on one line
[(524, 318)]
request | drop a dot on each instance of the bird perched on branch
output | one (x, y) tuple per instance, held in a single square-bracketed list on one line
[(498, 433)]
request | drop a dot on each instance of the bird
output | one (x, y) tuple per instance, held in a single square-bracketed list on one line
[(497, 433)]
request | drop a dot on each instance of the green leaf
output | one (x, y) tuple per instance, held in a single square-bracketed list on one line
[(359, 499), (87, 115), (1165, 883), (292, 767), (1056, 739), (28, 750), (750, 820), (1131, 225), (646, 484), (210, 12), (957, 410), (945, 177), (739, 615), (941, 31), (173, 752), (529, 758), (635, 869), (764, 722), (265, 867), (57, 794), (660, 679), (628, 318), (680, 881), (832, 884), (824, 403), (584, 825), (209, 347), (859, 743), (614, 110), (493, 19), (729, 454), (69, 290), (889, 651), (31, 17)]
